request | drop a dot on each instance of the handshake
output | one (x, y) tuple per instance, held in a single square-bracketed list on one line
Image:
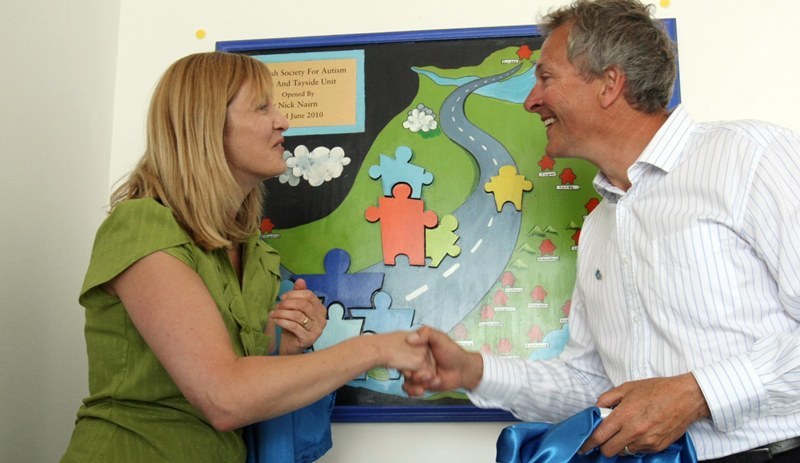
[(430, 361)]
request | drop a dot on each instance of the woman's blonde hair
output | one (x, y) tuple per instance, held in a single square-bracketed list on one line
[(184, 164)]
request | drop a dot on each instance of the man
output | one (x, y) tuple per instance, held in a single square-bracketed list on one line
[(686, 309)]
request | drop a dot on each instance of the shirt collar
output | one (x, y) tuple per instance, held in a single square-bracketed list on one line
[(663, 151)]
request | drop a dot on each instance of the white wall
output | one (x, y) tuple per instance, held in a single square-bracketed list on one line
[(66, 65), (57, 68)]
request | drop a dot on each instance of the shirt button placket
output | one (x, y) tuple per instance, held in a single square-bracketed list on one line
[(625, 226)]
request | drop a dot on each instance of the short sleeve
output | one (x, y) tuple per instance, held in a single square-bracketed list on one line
[(134, 229)]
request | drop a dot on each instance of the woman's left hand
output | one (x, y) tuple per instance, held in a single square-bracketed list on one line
[(302, 317)]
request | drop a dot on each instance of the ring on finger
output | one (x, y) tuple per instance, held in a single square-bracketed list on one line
[(307, 322), (627, 452)]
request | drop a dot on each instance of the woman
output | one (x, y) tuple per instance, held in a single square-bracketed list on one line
[(180, 292)]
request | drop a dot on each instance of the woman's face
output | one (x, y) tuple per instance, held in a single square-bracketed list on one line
[(253, 138)]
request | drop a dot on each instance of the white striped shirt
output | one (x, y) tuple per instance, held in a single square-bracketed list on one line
[(695, 268)]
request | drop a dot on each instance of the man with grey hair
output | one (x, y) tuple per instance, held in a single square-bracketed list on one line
[(686, 308)]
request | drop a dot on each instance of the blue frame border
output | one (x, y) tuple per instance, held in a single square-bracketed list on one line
[(399, 413), (241, 46), (411, 414), (672, 29)]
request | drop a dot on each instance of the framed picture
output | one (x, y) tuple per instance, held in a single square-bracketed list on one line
[(417, 192)]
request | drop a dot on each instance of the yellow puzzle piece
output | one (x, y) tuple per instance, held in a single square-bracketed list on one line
[(508, 186)]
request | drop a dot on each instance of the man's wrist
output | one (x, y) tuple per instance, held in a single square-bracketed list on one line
[(703, 410), (473, 372)]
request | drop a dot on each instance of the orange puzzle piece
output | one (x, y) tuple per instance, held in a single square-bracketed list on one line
[(403, 223)]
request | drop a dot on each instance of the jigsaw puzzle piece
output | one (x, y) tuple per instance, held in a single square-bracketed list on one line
[(441, 241), (383, 319), (286, 285), (336, 285), (338, 329), (400, 170), (403, 223)]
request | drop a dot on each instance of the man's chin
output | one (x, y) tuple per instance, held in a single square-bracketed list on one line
[(553, 152)]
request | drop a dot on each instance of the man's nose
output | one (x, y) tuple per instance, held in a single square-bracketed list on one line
[(534, 98)]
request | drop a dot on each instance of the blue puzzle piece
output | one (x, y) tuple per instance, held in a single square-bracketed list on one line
[(336, 285), (286, 285), (400, 170), (383, 319), (338, 329)]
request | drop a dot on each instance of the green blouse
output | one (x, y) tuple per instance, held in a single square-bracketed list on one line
[(135, 412)]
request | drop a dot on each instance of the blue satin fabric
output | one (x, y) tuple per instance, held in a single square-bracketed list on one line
[(301, 436), (560, 442)]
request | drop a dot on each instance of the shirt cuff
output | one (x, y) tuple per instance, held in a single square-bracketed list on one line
[(733, 392), (500, 383)]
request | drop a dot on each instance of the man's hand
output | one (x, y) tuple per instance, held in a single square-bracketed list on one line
[(453, 366), (648, 415)]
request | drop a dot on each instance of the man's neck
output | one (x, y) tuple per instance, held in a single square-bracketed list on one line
[(625, 137)]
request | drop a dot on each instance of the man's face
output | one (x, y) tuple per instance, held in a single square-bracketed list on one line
[(563, 98)]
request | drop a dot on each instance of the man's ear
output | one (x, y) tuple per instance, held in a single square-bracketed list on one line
[(612, 87)]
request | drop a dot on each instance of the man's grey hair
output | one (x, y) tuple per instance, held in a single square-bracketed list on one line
[(621, 33)]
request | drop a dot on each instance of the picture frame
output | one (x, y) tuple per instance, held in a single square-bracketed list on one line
[(377, 110)]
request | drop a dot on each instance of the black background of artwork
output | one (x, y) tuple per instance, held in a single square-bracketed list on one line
[(390, 87)]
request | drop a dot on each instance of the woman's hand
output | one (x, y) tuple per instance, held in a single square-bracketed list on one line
[(394, 351), (451, 366), (302, 317)]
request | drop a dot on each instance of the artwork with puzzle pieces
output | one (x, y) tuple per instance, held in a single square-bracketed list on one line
[(418, 192)]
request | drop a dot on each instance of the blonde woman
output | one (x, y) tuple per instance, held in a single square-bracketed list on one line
[(180, 292)]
